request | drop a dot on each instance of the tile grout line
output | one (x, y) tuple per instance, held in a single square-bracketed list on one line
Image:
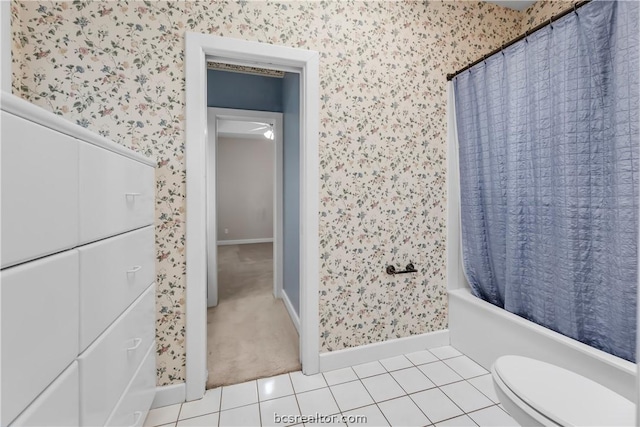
[(316, 389), (374, 400), (203, 413), (179, 412), (336, 400), (407, 394), (387, 371), (502, 409), (482, 392), (237, 407), (439, 386), (481, 409), (175, 423), (259, 409), (295, 395), (450, 399), (339, 369), (220, 405), (465, 380), (405, 391)]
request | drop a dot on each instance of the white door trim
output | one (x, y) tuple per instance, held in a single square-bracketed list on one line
[(213, 114), (198, 48)]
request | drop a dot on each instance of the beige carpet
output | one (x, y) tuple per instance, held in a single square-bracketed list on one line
[(250, 333)]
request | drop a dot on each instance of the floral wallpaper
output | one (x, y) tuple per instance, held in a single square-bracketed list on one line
[(542, 11), (116, 67)]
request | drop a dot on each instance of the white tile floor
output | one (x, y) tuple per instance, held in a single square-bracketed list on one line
[(440, 387)]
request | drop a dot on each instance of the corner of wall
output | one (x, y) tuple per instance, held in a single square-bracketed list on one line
[(6, 45), (541, 11)]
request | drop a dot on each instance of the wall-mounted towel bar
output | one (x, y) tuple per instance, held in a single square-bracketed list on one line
[(408, 269)]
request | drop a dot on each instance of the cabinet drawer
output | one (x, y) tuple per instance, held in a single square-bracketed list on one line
[(58, 405), (39, 327), (39, 190), (116, 194), (108, 365), (113, 273), (134, 405)]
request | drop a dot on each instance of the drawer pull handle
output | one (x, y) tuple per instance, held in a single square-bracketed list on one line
[(132, 194), (136, 344), (136, 418), (135, 269)]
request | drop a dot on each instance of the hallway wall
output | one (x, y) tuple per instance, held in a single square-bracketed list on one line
[(226, 89), (245, 174), (291, 188)]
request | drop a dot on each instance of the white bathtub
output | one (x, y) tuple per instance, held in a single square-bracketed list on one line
[(485, 332)]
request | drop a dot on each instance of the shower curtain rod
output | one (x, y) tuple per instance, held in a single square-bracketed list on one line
[(574, 8)]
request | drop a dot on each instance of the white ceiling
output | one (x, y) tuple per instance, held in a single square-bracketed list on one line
[(513, 4), (237, 128)]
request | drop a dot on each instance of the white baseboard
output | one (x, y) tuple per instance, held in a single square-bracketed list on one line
[(169, 395), (381, 350), (245, 241), (292, 313)]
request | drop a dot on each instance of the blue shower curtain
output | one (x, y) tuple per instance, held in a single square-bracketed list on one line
[(548, 146)]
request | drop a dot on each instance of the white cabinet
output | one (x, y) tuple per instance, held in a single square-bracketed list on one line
[(77, 285), (113, 273), (108, 365), (116, 194), (58, 405), (139, 394), (39, 190), (39, 327)]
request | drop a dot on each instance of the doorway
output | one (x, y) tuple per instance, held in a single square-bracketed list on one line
[(200, 47), (250, 321), (246, 137)]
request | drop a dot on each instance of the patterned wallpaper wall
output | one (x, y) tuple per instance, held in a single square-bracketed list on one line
[(117, 68), (543, 10)]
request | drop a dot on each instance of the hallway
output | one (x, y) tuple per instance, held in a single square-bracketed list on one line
[(250, 334)]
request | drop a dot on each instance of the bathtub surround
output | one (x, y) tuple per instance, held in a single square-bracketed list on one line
[(117, 68), (471, 317)]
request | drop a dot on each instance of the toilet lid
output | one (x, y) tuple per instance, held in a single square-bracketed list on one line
[(563, 396)]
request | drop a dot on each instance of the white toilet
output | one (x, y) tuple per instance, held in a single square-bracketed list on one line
[(536, 393)]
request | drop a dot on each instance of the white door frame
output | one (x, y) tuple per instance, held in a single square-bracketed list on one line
[(275, 119), (199, 47)]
